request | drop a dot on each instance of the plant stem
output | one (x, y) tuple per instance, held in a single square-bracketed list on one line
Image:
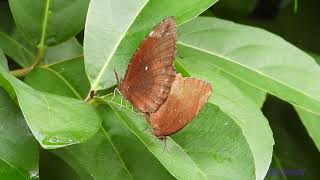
[(24, 71), (41, 46), (90, 96), (21, 72), (295, 6)]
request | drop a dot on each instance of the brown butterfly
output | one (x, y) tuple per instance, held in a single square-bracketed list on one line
[(166, 99)]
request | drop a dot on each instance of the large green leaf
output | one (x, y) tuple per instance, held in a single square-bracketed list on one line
[(19, 154), (255, 57), (233, 99), (55, 121), (113, 33), (311, 121), (256, 95), (49, 22), (15, 50), (66, 78), (11, 41), (48, 80), (212, 146)]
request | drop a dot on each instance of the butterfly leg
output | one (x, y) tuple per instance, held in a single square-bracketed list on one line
[(153, 139), (121, 104), (114, 93), (165, 143), (128, 105), (147, 128)]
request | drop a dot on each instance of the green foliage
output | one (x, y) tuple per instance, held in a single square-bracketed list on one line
[(53, 21), (46, 77)]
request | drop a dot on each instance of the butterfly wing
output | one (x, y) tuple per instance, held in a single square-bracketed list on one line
[(186, 98), (150, 73)]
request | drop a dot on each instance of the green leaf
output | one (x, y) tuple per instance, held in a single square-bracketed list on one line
[(11, 41), (294, 151), (212, 146), (255, 57), (15, 50), (48, 80), (234, 101), (66, 78), (49, 22), (114, 142), (3, 61), (312, 124), (19, 154), (55, 121), (67, 50), (255, 94), (311, 121), (113, 33)]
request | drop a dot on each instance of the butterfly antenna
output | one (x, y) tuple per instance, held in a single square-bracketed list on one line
[(117, 77)]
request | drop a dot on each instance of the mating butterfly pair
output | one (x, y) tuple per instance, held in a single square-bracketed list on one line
[(151, 84)]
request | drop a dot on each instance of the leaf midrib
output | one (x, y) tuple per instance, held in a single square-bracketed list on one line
[(117, 152), (76, 93)]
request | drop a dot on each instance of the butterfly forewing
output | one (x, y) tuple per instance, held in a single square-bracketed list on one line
[(186, 98), (150, 73)]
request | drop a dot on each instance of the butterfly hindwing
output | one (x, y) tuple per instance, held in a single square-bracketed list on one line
[(186, 98)]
